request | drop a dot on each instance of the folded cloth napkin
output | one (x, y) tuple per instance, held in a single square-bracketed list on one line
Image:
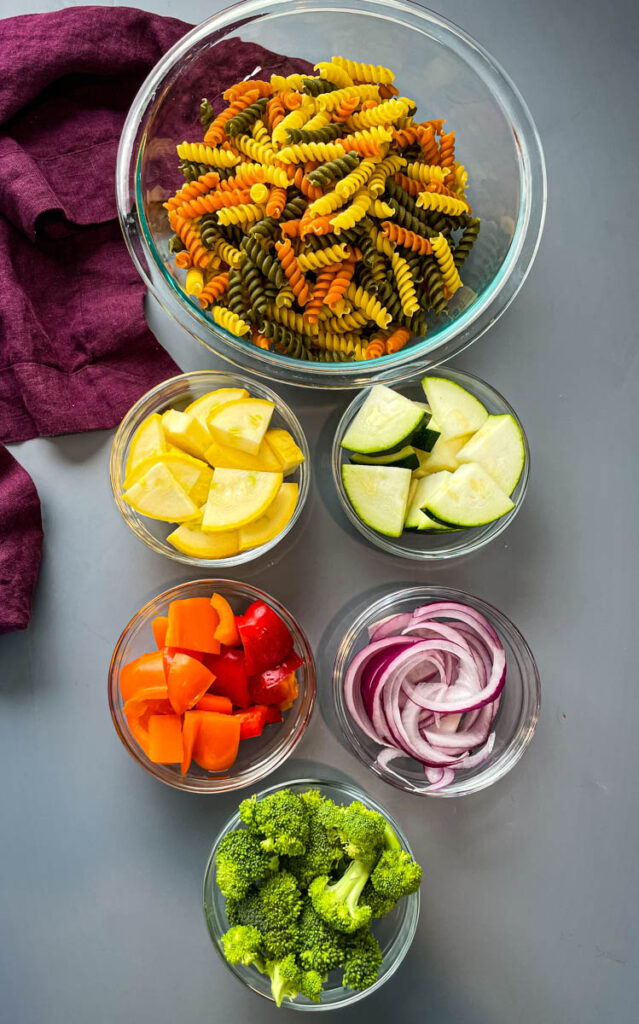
[(75, 350)]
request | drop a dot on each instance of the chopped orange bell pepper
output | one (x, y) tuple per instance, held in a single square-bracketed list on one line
[(226, 631), (145, 671), (192, 625), (159, 626), (217, 741), (190, 727), (139, 729), (209, 702), (152, 698), (165, 739), (170, 652), (187, 681), (293, 692)]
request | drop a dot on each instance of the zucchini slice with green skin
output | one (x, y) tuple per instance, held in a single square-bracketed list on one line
[(455, 409), (406, 457), (385, 420), (422, 491), (498, 447), (379, 496), (470, 498), (443, 456), (428, 431)]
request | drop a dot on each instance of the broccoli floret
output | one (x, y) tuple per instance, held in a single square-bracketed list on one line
[(363, 962), (243, 945), (361, 831), (273, 909), (378, 904), (321, 948), (396, 874), (337, 902), (288, 980), (323, 851), (281, 818), (241, 862)]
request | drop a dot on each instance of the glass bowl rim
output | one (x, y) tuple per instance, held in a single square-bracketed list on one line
[(464, 542), (213, 785), (529, 683), (410, 904), (473, 322), (127, 427)]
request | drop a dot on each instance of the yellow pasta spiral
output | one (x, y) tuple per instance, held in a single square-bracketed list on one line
[(447, 268), (259, 192), (358, 209), (230, 321), (303, 151), (443, 204), (382, 210), (389, 165), (260, 133), (258, 172), (245, 213), (318, 120), (334, 73), (331, 100), (260, 152), (426, 173), (383, 244), (460, 180), (323, 257), (228, 253), (194, 281), (281, 84), (369, 305), (349, 185), (405, 285), (365, 72), (326, 204), (291, 319), (199, 153), (285, 297), (344, 343), (296, 119), (345, 322), (383, 113)]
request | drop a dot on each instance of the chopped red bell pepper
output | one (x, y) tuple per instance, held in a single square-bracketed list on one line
[(265, 638), (285, 668), (252, 721), (231, 677), (273, 714), (277, 692)]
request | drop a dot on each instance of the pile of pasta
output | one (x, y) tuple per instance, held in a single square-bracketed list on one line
[(319, 219)]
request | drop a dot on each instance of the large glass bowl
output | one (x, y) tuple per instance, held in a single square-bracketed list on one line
[(177, 393), (257, 757), (444, 70), (516, 719), (427, 547), (395, 932)]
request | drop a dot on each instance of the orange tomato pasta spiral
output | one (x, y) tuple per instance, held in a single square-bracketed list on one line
[(214, 201), (375, 348), (193, 189), (429, 147), (409, 239), (447, 149), (319, 293), (397, 339), (212, 291), (294, 275), (216, 132), (276, 202), (344, 110), (191, 238), (340, 282)]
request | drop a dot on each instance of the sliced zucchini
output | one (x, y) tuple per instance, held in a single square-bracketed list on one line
[(443, 456), (379, 496), (427, 432), (455, 409), (406, 457), (498, 446), (421, 491), (386, 420), (469, 498)]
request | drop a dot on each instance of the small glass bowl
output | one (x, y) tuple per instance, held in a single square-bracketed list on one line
[(257, 757), (395, 932), (497, 141), (176, 393), (515, 722), (428, 547)]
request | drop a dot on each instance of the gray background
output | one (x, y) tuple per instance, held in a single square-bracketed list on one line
[(529, 907)]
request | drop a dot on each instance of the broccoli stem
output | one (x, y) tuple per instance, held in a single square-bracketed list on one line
[(350, 885), (391, 842)]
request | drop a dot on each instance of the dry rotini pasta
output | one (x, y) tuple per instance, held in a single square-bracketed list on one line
[(320, 218)]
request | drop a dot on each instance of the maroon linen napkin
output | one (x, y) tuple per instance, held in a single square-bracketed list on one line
[(75, 350)]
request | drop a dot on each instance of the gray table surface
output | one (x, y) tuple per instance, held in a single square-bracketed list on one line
[(529, 907)]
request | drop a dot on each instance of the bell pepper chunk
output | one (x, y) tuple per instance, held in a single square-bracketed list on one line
[(277, 692), (265, 638), (143, 672), (159, 626), (252, 721), (231, 677), (192, 625), (210, 702), (226, 631), (272, 714), (152, 697), (187, 681), (190, 726), (139, 729), (165, 739), (217, 741), (169, 653)]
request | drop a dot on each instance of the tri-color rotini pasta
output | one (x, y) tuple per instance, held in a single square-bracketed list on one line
[(319, 217)]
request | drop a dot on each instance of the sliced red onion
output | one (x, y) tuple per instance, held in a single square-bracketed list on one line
[(428, 686)]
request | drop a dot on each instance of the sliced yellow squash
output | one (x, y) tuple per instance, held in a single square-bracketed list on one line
[(190, 540), (237, 497), (194, 475), (223, 457), (285, 449), (277, 515), (158, 494), (241, 424), (186, 432), (149, 439), (201, 407)]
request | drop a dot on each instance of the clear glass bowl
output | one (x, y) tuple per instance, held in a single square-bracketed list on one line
[(395, 932), (518, 712), (427, 547), (496, 136), (257, 757), (177, 393)]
